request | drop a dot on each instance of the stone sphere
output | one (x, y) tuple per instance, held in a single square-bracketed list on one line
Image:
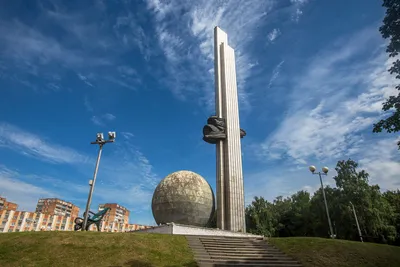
[(183, 197)]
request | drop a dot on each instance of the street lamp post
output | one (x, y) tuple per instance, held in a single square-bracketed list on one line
[(355, 217), (101, 142), (324, 172)]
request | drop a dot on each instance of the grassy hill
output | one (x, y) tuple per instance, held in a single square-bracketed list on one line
[(321, 252), (135, 249), (93, 249)]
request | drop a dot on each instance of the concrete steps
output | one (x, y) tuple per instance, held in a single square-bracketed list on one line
[(237, 251)]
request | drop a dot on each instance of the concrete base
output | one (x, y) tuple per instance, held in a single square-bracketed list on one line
[(180, 229)]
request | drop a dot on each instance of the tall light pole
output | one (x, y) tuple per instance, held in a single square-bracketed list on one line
[(358, 226), (101, 142), (324, 172)]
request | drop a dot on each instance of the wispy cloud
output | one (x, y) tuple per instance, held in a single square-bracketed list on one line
[(24, 194), (332, 107), (381, 161), (103, 119), (87, 104), (274, 34), (31, 49), (190, 59), (34, 145), (298, 5), (275, 74), (85, 79)]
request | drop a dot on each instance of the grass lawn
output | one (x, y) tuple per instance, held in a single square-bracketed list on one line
[(93, 249), (338, 253)]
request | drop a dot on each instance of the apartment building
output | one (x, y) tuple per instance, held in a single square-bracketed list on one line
[(6, 205), (116, 220), (22, 221), (55, 206)]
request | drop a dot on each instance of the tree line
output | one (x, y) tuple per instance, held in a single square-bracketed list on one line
[(304, 215)]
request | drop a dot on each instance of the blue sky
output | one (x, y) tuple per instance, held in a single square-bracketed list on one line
[(311, 77)]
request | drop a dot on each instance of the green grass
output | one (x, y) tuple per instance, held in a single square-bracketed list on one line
[(322, 252), (151, 250), (93, 249)]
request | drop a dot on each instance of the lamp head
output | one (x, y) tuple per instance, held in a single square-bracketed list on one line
[(325, 170), (312, 168), (99, 137), (111, 136)]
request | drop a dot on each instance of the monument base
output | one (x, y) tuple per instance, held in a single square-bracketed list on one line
[(180, 229)]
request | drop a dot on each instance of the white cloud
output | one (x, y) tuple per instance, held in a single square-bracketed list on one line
[(85, 79), (109, 117), (34, 145), (331, 109), (274, 34), (238, 19), (275, 74), (331, 104), (88, 105), (103, 119), (24, 194), (381, 161), (298, 4)]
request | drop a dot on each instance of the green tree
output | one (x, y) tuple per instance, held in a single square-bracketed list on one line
[(260, 218), (298, 216), (393, 198), (391, 29), (373, 210)]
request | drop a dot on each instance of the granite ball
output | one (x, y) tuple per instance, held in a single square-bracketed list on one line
[(183, 197)]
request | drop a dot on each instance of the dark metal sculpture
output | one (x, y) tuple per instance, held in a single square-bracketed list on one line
[(95, 219), (215, 130)]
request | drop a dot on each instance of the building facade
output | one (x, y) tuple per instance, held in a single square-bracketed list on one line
[(23, 221), (6, 205), (116, 220), (55, 206)]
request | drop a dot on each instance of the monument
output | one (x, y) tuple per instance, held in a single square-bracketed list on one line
[(183, 197), (224, 131), (183, 202)]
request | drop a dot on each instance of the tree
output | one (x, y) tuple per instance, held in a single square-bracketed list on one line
[(373, 210), (393, 197), (260, 218), (391, 29)]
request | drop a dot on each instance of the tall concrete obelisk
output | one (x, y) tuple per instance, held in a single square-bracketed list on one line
[(224, 131)]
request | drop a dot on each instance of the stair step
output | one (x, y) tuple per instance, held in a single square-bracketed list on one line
[(247, 255), (234, 243), (263, 259), (241, 249), (224, 237), (246, 265), (228, 252), (237, 251), (235, 246), (281, 263), (244, 259)]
